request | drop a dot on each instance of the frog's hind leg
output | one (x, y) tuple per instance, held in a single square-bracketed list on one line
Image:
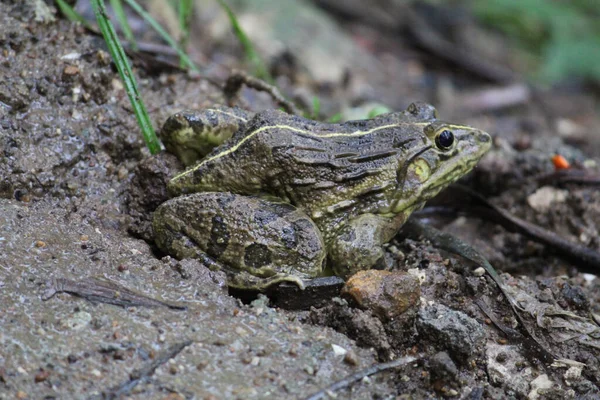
[(235, 278), (256, 242), (191, 135)]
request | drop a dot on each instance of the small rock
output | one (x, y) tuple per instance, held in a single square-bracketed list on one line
[(575, 297), (387, 294), (569, 130), (362, 326), (241, 331), (542, 199), (538, 385), (338, 350), (76, 321), (41, 376), (96, 373), (122, 173), (71, 70), (201, 365), (351, 358), (451, 330), (504, 369), (442, 367), (573, 374)]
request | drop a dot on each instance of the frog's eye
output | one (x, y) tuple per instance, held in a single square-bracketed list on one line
[(444, 140)]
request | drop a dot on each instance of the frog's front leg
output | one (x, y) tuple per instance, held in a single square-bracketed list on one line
[(191, 135), (359, 243), (256, 242)]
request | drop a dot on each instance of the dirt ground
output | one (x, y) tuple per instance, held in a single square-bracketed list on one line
[(76, 192)]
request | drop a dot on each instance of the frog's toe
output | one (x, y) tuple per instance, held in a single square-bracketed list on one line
[(244, 280)]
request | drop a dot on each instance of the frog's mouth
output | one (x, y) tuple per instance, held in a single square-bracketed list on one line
[(429, 170)]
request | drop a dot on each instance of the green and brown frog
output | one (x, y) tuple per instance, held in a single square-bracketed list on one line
[(284, 198)]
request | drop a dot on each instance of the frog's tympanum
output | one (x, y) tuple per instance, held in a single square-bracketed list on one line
[(284, 198)]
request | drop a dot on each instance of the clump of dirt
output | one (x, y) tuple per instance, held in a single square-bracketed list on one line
[(148, 190)]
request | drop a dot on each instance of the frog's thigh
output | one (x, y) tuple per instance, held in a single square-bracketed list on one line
[(244, 236), (190, 135), (358, 245)]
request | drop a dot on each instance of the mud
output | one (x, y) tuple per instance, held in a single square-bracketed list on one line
[(77, 189)]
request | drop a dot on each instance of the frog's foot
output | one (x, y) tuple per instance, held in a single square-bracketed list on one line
[(191, 135), (244, 280), (359, 244)]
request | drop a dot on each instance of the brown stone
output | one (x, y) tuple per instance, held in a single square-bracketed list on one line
[(387, 294), (71, 70)]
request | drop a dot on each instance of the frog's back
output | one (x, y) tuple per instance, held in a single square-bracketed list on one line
[(311, 164)]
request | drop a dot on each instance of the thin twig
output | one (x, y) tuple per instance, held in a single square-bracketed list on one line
[(399, 362), (101, 291), (143, 374), (239, 78)]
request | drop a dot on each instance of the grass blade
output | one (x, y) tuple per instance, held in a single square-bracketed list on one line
[(260, 70), (185, 17), (71, 14), (164, 34), (117, 6), (122, 63)]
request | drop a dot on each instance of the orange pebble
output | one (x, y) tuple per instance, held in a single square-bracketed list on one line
[(560, 162)]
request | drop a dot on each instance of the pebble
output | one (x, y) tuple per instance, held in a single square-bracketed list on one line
[(351, 358), (338, 350), (505, 369), (538, 385), (442, 367), (41, 376), (76, 321), (450, 330), (541, 200), (387, 294)]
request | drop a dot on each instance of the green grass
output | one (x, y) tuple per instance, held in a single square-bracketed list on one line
[(117, 6), (184, 11), (163, 33), (378, 110), (122, 63), (71, 14), (259, 68), (184, 8)]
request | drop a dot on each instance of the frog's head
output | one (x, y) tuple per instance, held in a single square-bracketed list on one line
[(447, 152)]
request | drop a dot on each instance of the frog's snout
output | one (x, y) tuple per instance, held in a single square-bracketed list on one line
[(175, 123), (478, 142), (483, 137)]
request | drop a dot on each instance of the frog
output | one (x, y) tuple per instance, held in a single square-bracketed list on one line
[(272, 197)]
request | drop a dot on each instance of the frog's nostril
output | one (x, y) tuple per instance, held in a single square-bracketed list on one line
[(483, 137)]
